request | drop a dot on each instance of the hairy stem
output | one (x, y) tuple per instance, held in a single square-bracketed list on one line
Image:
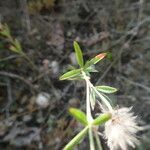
[(91, 139), (88, 107)]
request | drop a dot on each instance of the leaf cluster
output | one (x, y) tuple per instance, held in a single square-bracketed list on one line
[(87, 67), (14, 44)]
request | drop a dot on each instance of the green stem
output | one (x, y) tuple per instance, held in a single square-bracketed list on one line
[(88, 106), (91, 139), (76, 139), (98, 142), (88, 111)]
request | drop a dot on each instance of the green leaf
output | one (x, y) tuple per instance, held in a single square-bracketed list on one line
[(17, 45), (101, 119), (76, 139), (4, 30), (80, 77), (106, 89), (79, 55), (95, 60), (13, 48), (70, 74), (78, 115), (109, 56)]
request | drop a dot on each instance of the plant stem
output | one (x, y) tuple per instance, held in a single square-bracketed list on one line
[(88, 107), (88, 111), (98, 142), (76, 139), (91, 139), (89, 86)]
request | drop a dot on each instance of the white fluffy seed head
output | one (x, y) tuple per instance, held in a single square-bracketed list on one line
[(42, 99), (120, 130)]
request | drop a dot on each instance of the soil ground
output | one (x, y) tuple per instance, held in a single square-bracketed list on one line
[(46, 30)]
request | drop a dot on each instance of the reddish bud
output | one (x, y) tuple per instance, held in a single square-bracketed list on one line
[(101, 55)]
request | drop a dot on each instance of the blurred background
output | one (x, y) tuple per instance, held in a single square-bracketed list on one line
[(33, 102)]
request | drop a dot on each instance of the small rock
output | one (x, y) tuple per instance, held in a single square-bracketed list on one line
[(74, 102), (55, 68), (42, 99), (46, 63), (27, 118)]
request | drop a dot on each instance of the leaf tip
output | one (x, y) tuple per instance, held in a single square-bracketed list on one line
[(61, 78), (101, 55), (75, 42)]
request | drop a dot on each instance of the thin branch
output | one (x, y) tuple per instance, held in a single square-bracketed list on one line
[(136, 84), (9, 96), (11, 75)]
